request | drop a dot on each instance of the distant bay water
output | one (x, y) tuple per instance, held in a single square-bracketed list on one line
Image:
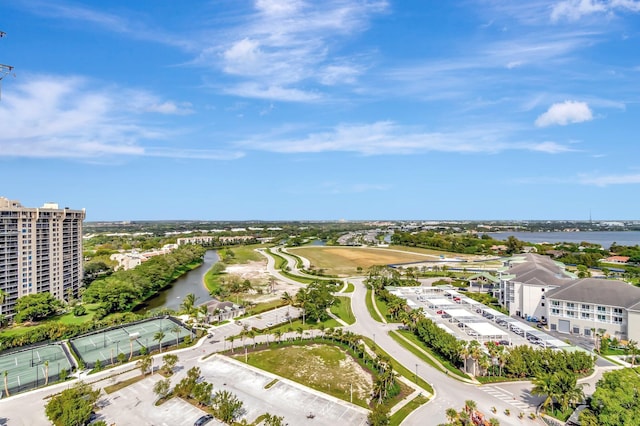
[(604, 238)]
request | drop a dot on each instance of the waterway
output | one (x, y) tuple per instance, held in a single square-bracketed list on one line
[(191, 282), (604, 238)]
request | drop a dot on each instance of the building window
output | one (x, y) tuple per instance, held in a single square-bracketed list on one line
[(617, 310), (602, 318), (617, 320), (585, 315), (555, 311), (542, 303), (586, 307), (555, 303), (571, 305), (571, 314), (602, 309)]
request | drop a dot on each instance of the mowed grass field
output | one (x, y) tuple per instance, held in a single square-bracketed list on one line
[(344, 261)]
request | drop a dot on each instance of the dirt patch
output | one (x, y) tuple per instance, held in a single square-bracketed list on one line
[(261, 280), (326, 368)]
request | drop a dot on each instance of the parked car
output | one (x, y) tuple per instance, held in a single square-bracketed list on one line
[(440, 312), (203, 420)]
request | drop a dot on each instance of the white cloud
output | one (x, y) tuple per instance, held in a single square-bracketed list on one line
[(133, 27), (565, 113), (66, 117), (277, 93), (607, 180), (387, 137), (288, 45), (573, 10), (550, 147)]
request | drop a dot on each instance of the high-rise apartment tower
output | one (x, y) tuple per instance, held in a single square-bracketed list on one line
[(40, 251)]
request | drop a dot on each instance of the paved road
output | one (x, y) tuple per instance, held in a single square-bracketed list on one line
[(450, 393), (28, 408)]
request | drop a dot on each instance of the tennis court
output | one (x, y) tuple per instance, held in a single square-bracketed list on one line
[(128, 339), (28, 368)]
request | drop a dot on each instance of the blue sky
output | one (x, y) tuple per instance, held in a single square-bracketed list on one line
[(340, 109)]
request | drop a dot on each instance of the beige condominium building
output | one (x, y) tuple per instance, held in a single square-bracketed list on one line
[(40, 251), (536, 287)]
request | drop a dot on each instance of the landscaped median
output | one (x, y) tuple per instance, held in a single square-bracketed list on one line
[(410, 342)]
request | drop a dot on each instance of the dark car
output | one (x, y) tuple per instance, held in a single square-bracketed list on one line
[(203, 420)]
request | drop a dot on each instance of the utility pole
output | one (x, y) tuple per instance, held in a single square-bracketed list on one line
[(4, 69)]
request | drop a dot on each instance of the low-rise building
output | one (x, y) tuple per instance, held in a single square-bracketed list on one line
[(537, 286), (591, 305)]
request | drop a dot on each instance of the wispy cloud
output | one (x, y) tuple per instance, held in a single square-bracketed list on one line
[(285, 46), (573, 10), (567, 112), (386, 137), (606, 180), (67, 117), (117, 23)]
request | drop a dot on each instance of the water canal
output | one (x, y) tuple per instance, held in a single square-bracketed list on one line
[(191, 282)]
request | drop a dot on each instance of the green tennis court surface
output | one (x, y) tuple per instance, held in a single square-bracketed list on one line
[(128, 339)]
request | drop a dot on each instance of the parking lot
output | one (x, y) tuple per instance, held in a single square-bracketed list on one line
[(469, 320), (271, 318), (298, 404)]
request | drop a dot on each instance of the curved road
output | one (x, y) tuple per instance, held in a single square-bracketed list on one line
[(28, 408)]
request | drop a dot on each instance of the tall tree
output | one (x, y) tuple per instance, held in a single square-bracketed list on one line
[(72, 407), (226, 406), (158, 337), (162, 387)]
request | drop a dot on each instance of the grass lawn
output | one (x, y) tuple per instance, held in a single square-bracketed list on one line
[(402, 413), (326, 368), (264, 307), (370, 308), (212, 281), (296, 324), (245, 254), (414, 339), (343, 310), (303, 280), (344, 261), (382, 307), (350, 288), (67, 319), (280, 261), (123, 384)]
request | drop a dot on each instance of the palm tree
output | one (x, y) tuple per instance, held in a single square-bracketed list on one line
[(464, 354), (159, 336), (544, 385), (494, 422), (475, 351), (144, 364), (452, 415), (176, 330), (567, 388), (231, 339), (6, 385), (252, 333), (278, 334), (46, 372), (299, 331), (470, 406), (189, 303), (632, 348), (288, 299), (204, 310), (130, 348), (3, 297)]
